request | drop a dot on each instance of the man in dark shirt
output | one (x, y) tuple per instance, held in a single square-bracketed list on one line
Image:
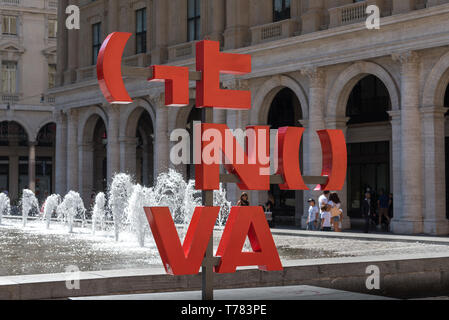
[(382, 206)]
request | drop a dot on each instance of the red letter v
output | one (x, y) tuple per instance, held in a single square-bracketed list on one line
[(186, 259)]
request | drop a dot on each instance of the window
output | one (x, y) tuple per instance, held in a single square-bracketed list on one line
[(141, 31), (9, 77), (52, 28), (193, 20), (9, 25), (96, 41), (51, 76), (281, 10)]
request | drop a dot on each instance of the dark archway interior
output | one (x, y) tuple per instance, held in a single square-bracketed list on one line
[(368, 162), (46, 139), (100, 141), (285, 110), (145, 151), (446, 105), (369, 101), (13, 141)]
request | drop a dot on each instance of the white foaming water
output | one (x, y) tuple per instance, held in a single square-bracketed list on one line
[(225, 205), (50, 206), (70, 208), (28, 202), (124, 207), (119, 194), (138, 223), (5, 206), (99, 212)]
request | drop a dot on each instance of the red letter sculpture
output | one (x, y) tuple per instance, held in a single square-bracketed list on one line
[(251, 222), (211, 62), (186, 259), (335, 159), (289, 142), (109, 68), (207, 176), (176, 84)]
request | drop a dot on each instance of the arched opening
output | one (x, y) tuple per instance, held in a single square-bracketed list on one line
[(45, 155), (194, 116), (13, 158), (369, 142), (99, 147), (446, 143), (285, 110), (144, 150)]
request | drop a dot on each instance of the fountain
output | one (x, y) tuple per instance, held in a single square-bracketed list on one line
[(28, 202), (50, 206), (140, 198), (99, 212), (71, 207), (119, 194), (5, 207)]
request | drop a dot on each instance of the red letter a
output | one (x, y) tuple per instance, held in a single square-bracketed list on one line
[(186, 259), (251, 222)]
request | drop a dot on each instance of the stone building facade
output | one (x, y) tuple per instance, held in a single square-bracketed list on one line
[(28, 69), (314, 64)]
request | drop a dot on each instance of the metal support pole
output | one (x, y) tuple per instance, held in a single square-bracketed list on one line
[(208, 263)]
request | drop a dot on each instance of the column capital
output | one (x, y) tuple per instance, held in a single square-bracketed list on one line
[(158, 100), (72, 114), (59, 116), (114, 108), (304, 122), (395, 114), (406, 57), (336, 123), (434, 111), (128, 140), (236, 84), (315, 74)]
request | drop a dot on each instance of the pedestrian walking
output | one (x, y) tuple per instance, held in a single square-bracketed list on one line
[(313, 217)]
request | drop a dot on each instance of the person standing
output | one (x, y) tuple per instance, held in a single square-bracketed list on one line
[(244, 201), (326, 224), (367, 210), (336, 212), (313, 215), (322, 201), (382, 206)]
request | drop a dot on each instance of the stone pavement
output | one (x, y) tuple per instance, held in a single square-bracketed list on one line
[(269, 293)]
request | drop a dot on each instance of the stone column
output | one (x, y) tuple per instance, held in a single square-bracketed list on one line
[(237, 32), (32, 165), (160, 19), (86, 170), (128, 159), (396, 160), (13, 177), (113, 148), (313, 18), (62, 42), (218, 20), (72, 150), (162, 143), (61, 153), (315, 122), (341, 124), (435, 221), (410, 218), (113, 16), (72, 53)]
